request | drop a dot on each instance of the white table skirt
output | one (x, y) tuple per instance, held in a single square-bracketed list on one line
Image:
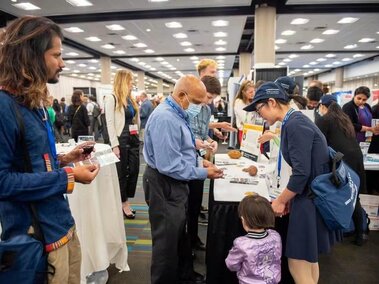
[(96, 208), (234, 192), (370, 165)]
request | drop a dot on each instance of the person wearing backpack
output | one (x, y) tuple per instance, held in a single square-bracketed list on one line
[(94, 112)]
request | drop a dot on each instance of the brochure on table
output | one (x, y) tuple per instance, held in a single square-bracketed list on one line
[(250, 146)]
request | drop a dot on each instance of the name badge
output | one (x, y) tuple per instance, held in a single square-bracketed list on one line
[(202, 152), (133, 129)]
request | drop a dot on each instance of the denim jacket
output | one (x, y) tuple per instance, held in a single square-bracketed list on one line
[(17, 189)]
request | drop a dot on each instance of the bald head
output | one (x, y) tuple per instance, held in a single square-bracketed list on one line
[(189, 89)]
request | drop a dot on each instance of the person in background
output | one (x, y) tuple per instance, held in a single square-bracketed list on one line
[(340, 135), (50, 110), (94, 111), (314, 95), (243, 98), (373, 176), (316, 83), (207, 67), (34, 45), (122, 116), (256, 256), (146, 109), (59, 121), (66, 125), (104, 128), (359, 112), (78, 115), (169, 152), (304, 148)]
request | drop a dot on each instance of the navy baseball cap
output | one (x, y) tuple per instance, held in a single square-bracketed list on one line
[(326, 100), (287, 83), (268, 90)]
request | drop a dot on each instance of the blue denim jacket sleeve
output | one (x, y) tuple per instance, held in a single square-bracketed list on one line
[(14, 184)]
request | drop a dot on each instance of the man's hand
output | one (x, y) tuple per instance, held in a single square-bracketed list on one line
[(76, 154), (213, 145), (279, 207), (214, 172), (207, 164), (116, 151), (224, 125), (218, 133), (85, 174), (200, 144)]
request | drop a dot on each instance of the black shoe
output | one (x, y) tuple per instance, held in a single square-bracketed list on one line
[(129, 216), (360, 239), (200, 246), (195, 278)]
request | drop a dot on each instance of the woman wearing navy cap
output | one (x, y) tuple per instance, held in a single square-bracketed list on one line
[(305, 149), (340, 135)]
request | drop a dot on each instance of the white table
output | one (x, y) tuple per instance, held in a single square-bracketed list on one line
[(96, 208), (372, 165), (224, 190)]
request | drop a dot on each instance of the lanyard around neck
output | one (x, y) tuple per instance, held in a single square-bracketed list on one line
[(179, 112), (286, 117)]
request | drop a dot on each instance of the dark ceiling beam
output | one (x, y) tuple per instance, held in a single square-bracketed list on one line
[(154, 14), (328, 8)]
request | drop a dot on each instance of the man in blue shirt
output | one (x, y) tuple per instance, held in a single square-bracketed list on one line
[(170, 154)]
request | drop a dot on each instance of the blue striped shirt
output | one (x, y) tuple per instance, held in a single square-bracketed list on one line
[(200, 123), (168, 145)]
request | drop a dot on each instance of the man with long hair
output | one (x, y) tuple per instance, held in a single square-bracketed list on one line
[(30, 57)]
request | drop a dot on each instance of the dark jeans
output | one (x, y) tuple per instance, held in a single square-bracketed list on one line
[(171, 253), (195, 198)]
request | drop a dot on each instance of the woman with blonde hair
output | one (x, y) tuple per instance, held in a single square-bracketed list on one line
[(121, 114)]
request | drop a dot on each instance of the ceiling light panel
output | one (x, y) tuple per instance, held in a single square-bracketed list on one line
[(220, 23), (299, 21), (348, 20), (26, 6), (74, 30), (288, 33), (79, 3), (115, 27), (173, 25)]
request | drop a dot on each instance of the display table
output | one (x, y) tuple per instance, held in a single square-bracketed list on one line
[(96, 208), (372, 162), (224, 224)]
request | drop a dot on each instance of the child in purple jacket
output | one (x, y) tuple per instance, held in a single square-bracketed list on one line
[(256, 256)]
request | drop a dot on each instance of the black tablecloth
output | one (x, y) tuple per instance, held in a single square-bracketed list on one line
[(224, 226)]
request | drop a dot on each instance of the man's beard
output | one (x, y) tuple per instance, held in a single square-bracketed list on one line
[(55, 79)]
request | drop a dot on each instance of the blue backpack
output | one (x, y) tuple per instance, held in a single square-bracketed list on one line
[(335, 193)]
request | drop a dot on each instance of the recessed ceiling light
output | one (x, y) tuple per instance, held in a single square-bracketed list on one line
[(220, 42), (288, 33), (72, 54), (296, 70), (26, 6), (76, 71), (115, 27), (336, 63), (65, 69), (140, 45), (220, 49), (173, 25), (377, 46), (350, 46), (113, 67), (330, 32), (159, 59), (316, 69), (153, 69), (119, 52), (141, 63), (93, 38), (79, 3), (165, 63), (158, 1), (220, 34), (348, 20), (82, 65), (316, 40), (366, 39), (306, 66), (180, 35), (93, 61), (189, 49), (357, 55), (220, 57), (74, 30), (313, 63), (328, 65), (281, 63), (134, 59), (92, 67), (308, 46), (185, 43), (287, 60), (277, 47), (321, 59), (149, 51), (280, 41), (220, 23), (194, 58), (299, 21), (129, 37), (108, 46), (148, 30), (293, 56), (330, 55), (70, 61), (346, 59)]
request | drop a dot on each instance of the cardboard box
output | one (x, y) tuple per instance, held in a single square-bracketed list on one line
[(374, 224), (371, 210), (368, 199)]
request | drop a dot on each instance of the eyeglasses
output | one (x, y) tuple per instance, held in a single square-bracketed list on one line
[(258, 108)]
